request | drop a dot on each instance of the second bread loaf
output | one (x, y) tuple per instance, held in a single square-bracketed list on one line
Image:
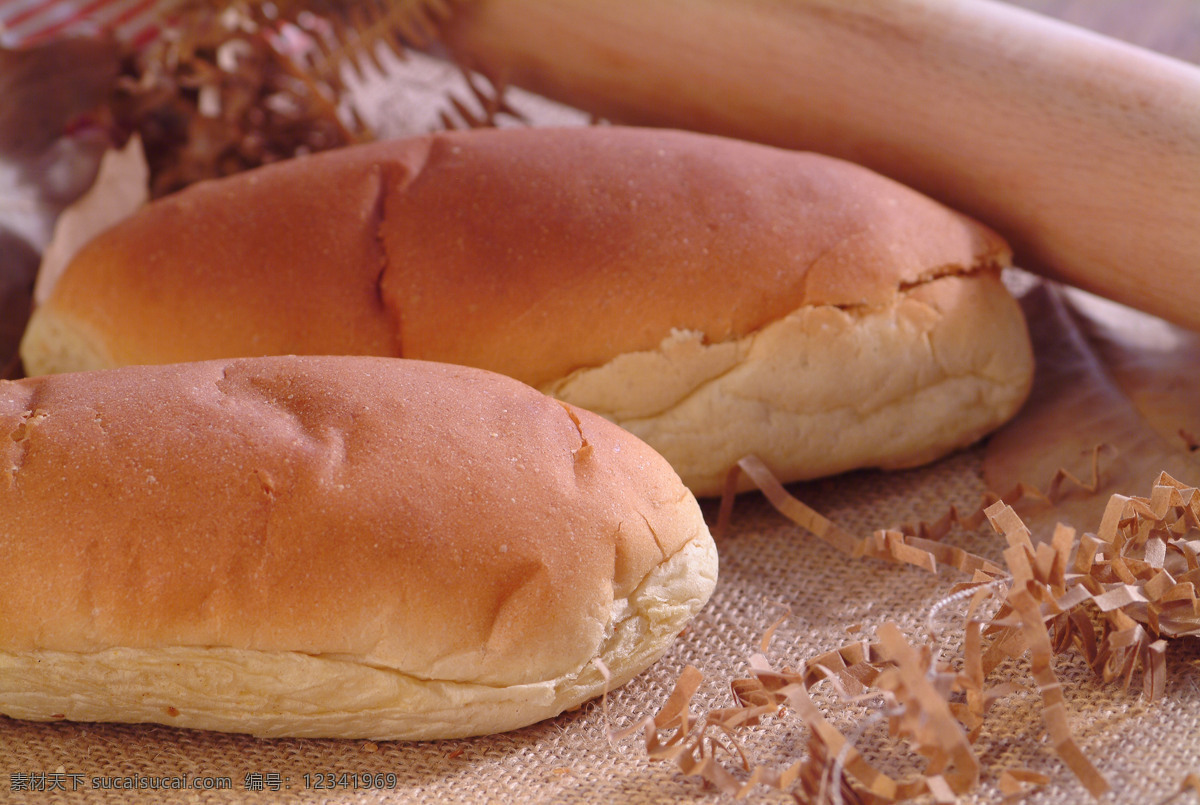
[(718, 298)]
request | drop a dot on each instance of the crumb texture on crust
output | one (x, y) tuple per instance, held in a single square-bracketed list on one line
[(825, 390)]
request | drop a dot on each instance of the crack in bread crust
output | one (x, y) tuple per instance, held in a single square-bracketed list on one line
[(827, 388)]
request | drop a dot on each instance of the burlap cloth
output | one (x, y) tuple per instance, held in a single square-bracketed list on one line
[(768, 566)]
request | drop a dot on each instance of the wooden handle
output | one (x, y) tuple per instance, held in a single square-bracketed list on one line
[(1083, 151)]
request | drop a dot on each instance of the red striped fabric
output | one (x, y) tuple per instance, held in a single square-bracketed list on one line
[(27, 22)]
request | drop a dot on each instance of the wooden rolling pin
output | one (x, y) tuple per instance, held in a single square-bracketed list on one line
[(1083, 151)]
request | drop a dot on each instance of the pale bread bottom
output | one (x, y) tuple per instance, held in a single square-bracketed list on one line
[(55, 344), (826, 389), (277, 694)]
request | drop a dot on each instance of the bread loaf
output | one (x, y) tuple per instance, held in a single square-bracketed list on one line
[(329, 546), (718, 298)]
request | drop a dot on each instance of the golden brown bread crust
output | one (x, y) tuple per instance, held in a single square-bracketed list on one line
[(531, 252), (271, 262), (442, 523), (563, 249)]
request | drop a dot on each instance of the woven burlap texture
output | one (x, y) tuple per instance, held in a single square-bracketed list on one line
[(768, 567)]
